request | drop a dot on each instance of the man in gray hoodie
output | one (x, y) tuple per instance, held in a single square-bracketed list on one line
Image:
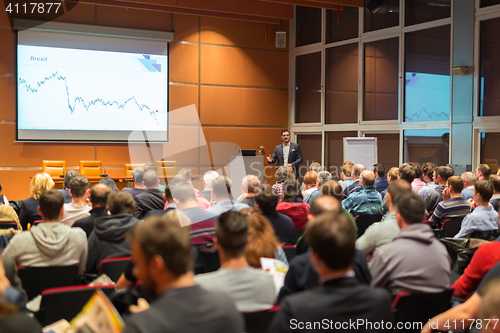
[(415, 261), (50, 243)]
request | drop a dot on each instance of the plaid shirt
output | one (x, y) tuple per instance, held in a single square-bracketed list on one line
[(279, 188)]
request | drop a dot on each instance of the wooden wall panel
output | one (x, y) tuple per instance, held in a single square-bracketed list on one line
[(8, 53), (133, 18), (8, 99), (186, 28), (183, 63), (80, 14), (181, 96), (16, 183)]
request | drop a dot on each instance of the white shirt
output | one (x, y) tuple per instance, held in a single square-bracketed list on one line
[(286, 151)]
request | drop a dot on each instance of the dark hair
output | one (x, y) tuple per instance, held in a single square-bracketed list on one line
[(51, 203), (231, 231), (283, 131), (494, 181), (379, 169), (1, 187), (444, 172), (417, 168), (99, 196), (333, 189), (164, 236), (411, 207), (291, 191), (407, 172), (485, 189), (456, 183), (267, 199), (281, 174), (120, 202), (78, 185), (222, 187), (138, 174), (150, 178), (168, 192), (428, 169), (398, 187), (485, 170), (68, 176), (110, 182), (332, 237)]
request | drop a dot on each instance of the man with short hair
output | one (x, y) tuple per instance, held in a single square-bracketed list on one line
[(495, 183), (340, 297), (392, 175), (435, 196), (428, 170), (186, 175), (469, 179), (208, 179), (108, 238), (152, 198), (417, 184), (355, 174), (385, 231), (407, 172), (345, 174), (169, 201), (249, 185), (367, 200), (50, 243), (77, 208), (221, 191), (139, 187), (415, 261), (323, 177), (453, 205), (381, 182), (315, 166), (251, 289), (265, 202), (483, 172), (163, 260), (483, 217), (98, 198), (65, 190), (287, 153)]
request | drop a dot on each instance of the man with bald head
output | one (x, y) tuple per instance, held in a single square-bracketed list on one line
[(152, 198), (98, 197), (366, 200), (355, 174), (249, 185)]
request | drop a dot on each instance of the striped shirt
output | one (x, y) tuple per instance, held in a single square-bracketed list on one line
[(455, 207)]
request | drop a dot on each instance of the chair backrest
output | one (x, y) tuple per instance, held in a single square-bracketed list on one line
[(54, 168), (114, 267), (130, 167), (418, 308), (37, 279), (166, 168), (90, 168), (364, 221), (258, 322), (8, 225), (451, 227), (66, 302), (290, 251)]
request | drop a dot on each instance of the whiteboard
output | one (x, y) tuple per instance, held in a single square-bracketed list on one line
[(361, 150)]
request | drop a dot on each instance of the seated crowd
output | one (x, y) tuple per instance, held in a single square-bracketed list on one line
[(198, 256)]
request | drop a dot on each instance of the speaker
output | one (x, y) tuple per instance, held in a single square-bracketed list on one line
[(373, 5)]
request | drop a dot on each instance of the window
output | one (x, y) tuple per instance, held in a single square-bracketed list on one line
[(308, 88), (486, 3), (341, 25), (308, 28), (420, 11), (489, 75), (387, 149), (431, 145), (335, 151), (382, 17), (310, 146), (489, 150)]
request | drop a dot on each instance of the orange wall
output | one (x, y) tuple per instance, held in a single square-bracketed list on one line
[(237, 81)]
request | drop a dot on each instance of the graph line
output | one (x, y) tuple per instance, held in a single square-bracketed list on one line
[(431, 115), (81, 100)]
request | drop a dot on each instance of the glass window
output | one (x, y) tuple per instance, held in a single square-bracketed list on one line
[(427, 74), (308, 28), (341, 25), (489, 150), (489, 79), (381, 80), (382, 17), (431, 145), (335, 151), (420, 11), (486, 3), (387, 149), (308, 88), (310, 146), (342, 84)]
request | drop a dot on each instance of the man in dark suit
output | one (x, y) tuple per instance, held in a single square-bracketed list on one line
[(150, 199), (287, 153), (98, 197), (340, 302)]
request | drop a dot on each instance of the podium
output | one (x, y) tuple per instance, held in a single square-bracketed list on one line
[(240, 166)]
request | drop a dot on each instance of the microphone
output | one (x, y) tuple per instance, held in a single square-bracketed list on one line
[(62, 166), (104, 174)]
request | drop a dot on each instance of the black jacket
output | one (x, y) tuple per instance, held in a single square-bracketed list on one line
[(150, 199), (29, 213), (87, 223), (294, 157), (108, 239)]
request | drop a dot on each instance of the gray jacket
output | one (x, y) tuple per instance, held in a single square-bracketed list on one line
[(379, 234)]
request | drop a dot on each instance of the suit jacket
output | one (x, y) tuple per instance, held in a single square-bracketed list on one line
[(338, 301), (294, 156), (87, 223), (151, 199), (29, 213)]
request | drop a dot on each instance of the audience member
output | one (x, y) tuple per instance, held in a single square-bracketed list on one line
[(221, 192), (251, 289), (316, 167), (483, 172), (281, 176), (208, 179), (110, 183), (483, 217), (415, 261), (355, 174), (98, 198), (40, 183), (345, 174), (428, 172), (309, 183), (407, 172), (367, 200), (263, 242), (323, 177), (164, 264), (392, 175), (77, 208), (50, 243), (417, 184), (3, 198), (151, 198), (169, 201), (108, 238), (265, 202), (489, 312), (340, 298), (453, 205), (381, 182), (495, 198), (333, 189), (187, 175), (8, 214), (469, 179), (379, 234), (139, 187), (435, 196), (292, 205), (65, 190), (248, 187)]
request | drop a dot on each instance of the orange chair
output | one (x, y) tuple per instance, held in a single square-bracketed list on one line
[(54, 168), (90, 168), (167, 168), (130, 167)]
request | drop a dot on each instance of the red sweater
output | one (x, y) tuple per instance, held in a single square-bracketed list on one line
[(296, 211), (486, 256)]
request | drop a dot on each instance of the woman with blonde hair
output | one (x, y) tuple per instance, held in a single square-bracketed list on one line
[(40, 183), (263, 242)]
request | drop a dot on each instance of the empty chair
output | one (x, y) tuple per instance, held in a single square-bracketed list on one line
[(54, 168), (450, 227), (66, 302), (290, 251), (114, 267), (37, 279), (166, 168), (130, 167), (364, 221), (258, 322), (90, 168)]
